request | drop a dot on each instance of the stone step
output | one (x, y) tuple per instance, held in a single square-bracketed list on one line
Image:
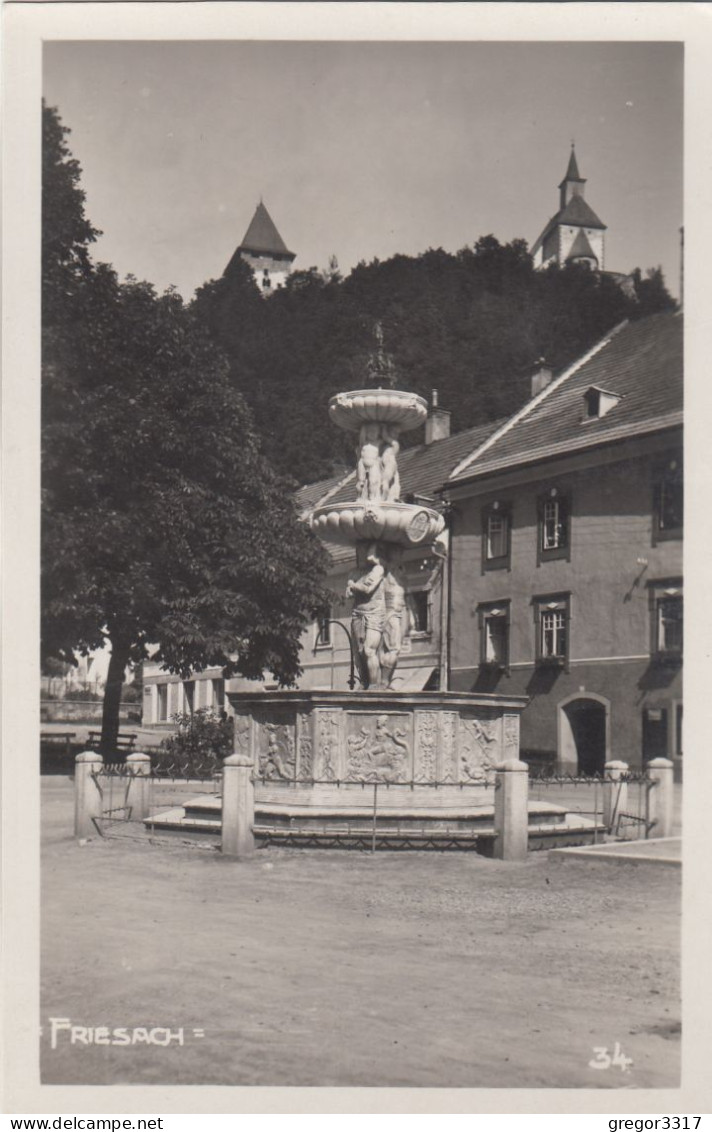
[(549, 825), (311, 816)]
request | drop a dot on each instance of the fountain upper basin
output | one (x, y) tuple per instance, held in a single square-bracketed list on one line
[(387, 406)]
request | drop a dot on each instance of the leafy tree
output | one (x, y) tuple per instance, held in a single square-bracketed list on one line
[(651, 292), (162, 521), (66, 232)]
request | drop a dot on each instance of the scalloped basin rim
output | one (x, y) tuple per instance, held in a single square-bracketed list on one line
[(404, 523), (377, 391), (358, 406)]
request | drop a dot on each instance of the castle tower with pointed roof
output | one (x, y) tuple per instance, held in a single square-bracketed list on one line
[(265, 251), (575, 233)]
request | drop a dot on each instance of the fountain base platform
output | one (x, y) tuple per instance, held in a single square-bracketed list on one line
[(378, 770)]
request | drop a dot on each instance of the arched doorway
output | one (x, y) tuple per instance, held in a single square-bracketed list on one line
[(583, 734)]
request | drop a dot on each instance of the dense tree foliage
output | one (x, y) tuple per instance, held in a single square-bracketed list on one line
[(163, 523), (470, 325)]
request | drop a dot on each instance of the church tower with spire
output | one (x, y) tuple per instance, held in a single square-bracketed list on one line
[(265, 251), (574, 234)]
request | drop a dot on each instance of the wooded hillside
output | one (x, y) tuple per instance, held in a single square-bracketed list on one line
[(470, 325)]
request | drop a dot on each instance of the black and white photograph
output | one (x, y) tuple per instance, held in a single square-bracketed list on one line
[(355, 365)]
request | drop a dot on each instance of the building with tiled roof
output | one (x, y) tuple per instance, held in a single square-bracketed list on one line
[(265, 251), (566, 555), (574, 233)]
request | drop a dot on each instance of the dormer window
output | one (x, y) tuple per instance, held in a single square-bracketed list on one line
[(598, 402)]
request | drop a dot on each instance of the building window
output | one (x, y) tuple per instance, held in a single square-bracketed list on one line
[(419, 610), (189, 695), (670, 625), (266, 281), (552, 616), (323, 631), (496, 536), (218, 697), (666, 617), (668, 501), (494, 634), (162, 702), (554, 526)]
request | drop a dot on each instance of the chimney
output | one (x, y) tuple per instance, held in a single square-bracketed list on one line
[(437, 425), (543, 375)]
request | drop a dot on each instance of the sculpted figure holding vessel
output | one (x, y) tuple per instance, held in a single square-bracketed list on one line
[(368, 616)]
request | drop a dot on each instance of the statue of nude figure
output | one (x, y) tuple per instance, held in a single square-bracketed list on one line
[(389, 463), (369, 473)]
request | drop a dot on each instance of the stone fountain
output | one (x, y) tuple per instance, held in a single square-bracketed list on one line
[(377, 524), (313, 751)]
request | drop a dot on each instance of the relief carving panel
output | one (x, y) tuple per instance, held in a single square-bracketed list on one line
[(328, 736), (378, 747), (511, 736), (449, 769), (305, 748), (426, 746), (479, 748), (276, 752)]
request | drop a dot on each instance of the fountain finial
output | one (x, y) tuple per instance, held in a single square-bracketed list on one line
[(380, 367)]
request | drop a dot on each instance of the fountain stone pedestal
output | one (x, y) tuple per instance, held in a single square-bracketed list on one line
[(322, 749)]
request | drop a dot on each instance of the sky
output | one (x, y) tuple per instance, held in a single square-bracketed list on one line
[(365, 150)]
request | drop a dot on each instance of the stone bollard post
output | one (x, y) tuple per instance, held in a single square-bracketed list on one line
[(238, 806), (615, 793), (138, 795), (511, 811), (660, 774), (87, 793)]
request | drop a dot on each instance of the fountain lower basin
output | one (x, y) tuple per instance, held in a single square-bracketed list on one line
[(405, 524)]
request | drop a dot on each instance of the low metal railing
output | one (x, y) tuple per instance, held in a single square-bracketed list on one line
[(606, 799)]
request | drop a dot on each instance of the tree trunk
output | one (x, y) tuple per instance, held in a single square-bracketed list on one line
[(112, 696)]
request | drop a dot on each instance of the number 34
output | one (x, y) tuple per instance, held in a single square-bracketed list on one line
[(605, 1060)]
